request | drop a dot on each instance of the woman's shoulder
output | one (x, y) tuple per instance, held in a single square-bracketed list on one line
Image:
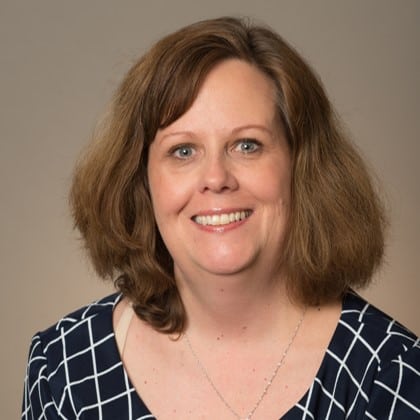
[(76, 325), (382, 358), (71, 360), (370, 369), (375, 331)]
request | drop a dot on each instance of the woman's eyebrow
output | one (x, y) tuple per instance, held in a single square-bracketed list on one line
[(252, 126), (185, 133)]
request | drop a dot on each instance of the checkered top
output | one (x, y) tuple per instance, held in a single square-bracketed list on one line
[(371, 370)]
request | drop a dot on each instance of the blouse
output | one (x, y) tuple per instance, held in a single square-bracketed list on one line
[(371, 370)]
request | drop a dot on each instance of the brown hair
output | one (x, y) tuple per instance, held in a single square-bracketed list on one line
[(335, 237)]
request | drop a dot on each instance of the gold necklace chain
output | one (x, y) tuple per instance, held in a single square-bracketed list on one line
[(267, 385)]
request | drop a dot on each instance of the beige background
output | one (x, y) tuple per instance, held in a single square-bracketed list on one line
[(59, 63)]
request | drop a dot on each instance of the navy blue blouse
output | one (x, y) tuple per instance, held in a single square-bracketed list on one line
[(371, 370)]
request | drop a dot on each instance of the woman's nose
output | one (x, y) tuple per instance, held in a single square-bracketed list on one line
[(218, 175)]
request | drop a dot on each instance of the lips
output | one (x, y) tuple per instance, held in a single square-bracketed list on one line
[(221, 219)]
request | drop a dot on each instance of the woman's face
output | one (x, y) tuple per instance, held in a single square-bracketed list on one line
[(220, 176)]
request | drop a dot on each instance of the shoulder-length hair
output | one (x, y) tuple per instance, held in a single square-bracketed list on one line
[(335, 235)]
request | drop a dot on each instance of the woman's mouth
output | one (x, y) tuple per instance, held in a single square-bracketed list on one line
[(221, 219)]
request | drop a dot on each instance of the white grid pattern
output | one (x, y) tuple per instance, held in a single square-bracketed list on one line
[(371, 370)]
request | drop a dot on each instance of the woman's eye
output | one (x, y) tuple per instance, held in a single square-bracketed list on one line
[(248, 146), (183, 152)]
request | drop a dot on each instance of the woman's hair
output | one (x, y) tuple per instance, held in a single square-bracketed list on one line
[(335, 235)]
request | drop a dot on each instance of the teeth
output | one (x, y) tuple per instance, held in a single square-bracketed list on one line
[(222, 219)]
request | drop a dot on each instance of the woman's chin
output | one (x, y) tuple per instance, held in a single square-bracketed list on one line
[(225, 266)]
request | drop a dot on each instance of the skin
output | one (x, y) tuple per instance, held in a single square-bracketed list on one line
[(227, 154)]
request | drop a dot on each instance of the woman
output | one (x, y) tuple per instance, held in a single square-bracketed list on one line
[(237, 219)]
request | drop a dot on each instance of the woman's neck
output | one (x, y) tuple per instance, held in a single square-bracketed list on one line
[(236, 306)]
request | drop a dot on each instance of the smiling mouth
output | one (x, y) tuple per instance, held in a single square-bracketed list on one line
[(222, 219)]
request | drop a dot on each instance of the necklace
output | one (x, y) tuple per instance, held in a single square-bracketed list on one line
[(267, 385)]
